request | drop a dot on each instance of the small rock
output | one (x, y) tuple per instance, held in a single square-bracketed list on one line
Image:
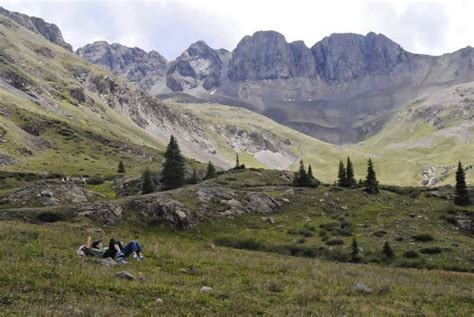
[(159, 301), (344, 207), (321, 200), (108, 262), (206, 289), (361, 288), (125, 275), (270, 221), (286, 200), (183, 270)]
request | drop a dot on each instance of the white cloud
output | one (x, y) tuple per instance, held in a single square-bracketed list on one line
[(169, 27)]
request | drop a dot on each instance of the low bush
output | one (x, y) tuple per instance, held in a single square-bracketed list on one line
[(422, 237), (411, 254), (50, 217), (335, 242), (95, 181), (431, 250)]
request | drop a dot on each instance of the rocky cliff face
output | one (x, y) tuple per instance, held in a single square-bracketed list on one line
[(140, 67), (49, 31), (344, 57), (199, 65)]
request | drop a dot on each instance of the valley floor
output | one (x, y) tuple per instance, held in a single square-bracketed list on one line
[(41, 273)]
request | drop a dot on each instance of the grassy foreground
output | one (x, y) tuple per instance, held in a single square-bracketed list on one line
[(41, 274)]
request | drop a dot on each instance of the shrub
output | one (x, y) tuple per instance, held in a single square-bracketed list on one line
[(49, 217), (431, 250), (95, 181), (411, 254), (422, 237), (306, 232), (335, 242)]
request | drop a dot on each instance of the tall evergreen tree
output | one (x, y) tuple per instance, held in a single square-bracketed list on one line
[(461, 196), (341, 175), (172, 175), (148, 185), (355, 250), (237, 162), (350, 179), (194, 178), (121, 167), (301, 177), (371, 182), (310, 173), (387, 250), (211, 171)]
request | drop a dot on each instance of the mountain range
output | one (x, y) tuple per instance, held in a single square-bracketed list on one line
[(413, 112)]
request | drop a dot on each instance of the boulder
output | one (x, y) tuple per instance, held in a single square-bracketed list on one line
[(124, 275)]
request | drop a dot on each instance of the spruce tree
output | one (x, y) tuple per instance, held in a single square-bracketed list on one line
[(310, 173), (355, 250), (172, 175), (211, 171), (350, 180), (387, 250), (237, 162), (193, 179), (301, 177), (341, 175), (371, 182), (121, 167), (148, 185), (461, 196)]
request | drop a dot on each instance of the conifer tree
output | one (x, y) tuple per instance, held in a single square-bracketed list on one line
[(371, 182), (387, 250), (148, 185), (121, 167), (461, 196), (301, 177), (193, 179), (211, 171), (310, 173), (350, 180), (355, 250), (237, 162), (341, 176), (173, 170)]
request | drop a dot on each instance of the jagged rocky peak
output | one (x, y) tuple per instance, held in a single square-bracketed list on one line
[(199, 65), (49, 31), (346, 56), (141, 67), (264, 55)]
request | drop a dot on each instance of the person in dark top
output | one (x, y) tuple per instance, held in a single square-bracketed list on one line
[(115, 250)]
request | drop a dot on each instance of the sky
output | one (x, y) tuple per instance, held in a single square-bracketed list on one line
[(169, 27)]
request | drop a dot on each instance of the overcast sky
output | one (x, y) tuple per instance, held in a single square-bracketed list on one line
[(430, 27)]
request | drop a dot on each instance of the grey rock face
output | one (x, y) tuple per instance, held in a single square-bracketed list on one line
[(343, 57), (49, 31), (51, 192), (199, 65), (140, 67), (264, 55)]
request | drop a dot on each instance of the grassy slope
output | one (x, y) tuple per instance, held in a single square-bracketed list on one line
[(410, 143), (39, 259), (81, 152)]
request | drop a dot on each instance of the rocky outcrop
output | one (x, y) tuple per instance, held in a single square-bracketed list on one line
[(199, 65), (144, 69), (49, 31), (347, 56), (104, 212), (212, 202), (51, 192), (264, 55)]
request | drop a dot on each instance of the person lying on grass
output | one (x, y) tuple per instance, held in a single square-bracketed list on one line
[(115, 250)]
